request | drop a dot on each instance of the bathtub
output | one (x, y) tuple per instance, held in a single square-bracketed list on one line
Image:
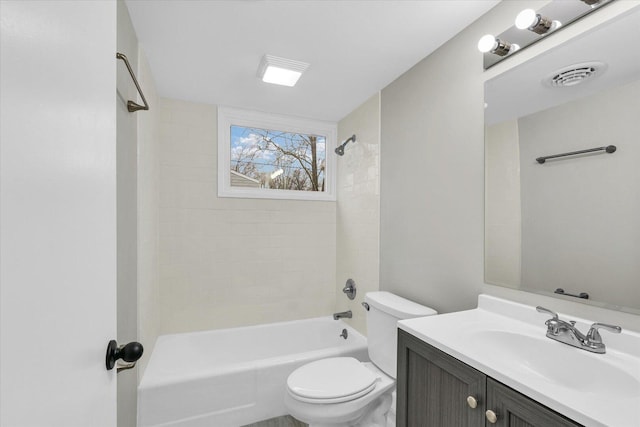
[(233, 377)]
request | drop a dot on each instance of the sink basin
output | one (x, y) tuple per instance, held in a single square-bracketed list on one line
[(507, 341), (547, 360)]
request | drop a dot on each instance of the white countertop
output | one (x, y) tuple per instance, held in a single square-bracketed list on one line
[(506, 341)]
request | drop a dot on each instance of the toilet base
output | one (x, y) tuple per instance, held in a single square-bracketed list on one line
[(391, 415), (375, 415)]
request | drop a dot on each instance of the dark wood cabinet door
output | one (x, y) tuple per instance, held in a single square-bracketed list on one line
[(516, 410), (433, 387)]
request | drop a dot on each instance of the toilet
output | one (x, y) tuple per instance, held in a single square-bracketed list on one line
[(342, 391)]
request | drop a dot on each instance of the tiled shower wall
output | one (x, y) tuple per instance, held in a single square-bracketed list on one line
[(228, 262), (358, 212)]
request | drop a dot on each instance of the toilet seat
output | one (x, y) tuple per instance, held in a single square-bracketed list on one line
[(347, 412), (332, 380)]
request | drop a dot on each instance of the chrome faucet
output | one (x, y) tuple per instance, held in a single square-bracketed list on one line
[(567, 333), (348, 314)]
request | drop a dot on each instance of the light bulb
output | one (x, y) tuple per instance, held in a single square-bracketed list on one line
[(530, 20), (487, 43), (526, 19)]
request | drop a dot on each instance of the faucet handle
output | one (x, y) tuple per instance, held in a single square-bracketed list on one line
[(593, 336), (554, 324), (553, 314), (350, 289)]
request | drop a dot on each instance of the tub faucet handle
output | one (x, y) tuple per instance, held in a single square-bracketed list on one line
[(350, 288)]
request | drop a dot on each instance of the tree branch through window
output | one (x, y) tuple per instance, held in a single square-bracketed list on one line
[(279, 160)]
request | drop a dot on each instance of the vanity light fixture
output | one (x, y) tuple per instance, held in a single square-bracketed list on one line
[(537, 23), (281, 71), (530, 20), (492, 44)]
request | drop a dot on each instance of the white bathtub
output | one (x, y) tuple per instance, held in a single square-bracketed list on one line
[(233, 377)]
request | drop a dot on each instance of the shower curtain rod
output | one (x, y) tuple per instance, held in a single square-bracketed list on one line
[(132, 106), (608, 149)]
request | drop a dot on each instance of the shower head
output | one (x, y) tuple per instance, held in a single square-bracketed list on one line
[(340, 149)]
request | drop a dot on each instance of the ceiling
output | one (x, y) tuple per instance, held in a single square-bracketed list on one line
[(209, 51)]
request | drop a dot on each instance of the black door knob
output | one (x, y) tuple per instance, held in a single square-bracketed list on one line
[(129, 353)]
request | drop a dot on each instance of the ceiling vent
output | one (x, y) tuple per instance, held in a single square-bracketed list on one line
[(575, 74)]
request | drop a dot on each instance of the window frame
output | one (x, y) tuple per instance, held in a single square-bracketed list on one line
[(229, 116)]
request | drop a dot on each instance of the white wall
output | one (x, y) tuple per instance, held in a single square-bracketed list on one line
[(127, 151), (148, 214), (566, 242), (432, 175), (230, 262), (358, 208)]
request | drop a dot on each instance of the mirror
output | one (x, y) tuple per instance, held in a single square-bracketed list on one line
[(572, 222)]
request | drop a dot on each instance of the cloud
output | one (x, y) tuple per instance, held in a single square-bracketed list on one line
[(252, 152), (250, 140)]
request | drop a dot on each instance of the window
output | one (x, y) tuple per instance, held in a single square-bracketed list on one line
[(271, 156)]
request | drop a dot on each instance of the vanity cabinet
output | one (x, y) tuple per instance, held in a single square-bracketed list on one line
[(435, 389)]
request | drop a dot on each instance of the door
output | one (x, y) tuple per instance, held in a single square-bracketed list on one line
[(57, 213)]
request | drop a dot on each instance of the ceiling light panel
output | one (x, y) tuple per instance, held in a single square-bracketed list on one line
[(281, 71)]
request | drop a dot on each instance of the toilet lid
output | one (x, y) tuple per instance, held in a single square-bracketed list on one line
[(336, 379)]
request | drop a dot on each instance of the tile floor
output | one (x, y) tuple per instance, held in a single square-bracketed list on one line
[(285, 421)]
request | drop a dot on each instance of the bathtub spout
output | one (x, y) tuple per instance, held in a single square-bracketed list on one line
[(342, 314)]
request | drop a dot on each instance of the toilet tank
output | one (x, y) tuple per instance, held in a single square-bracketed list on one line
[(385, 309)]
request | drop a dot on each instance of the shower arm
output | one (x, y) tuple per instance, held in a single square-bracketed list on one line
[(340, 149)]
